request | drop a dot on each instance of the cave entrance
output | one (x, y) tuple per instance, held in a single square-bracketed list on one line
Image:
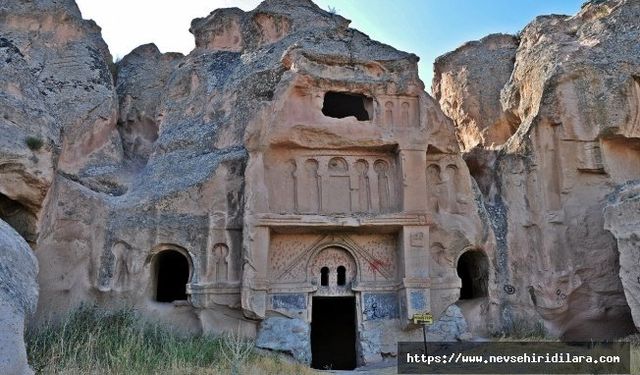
[(341, 105), (18, 217), (333, 333), (172, 276), (473, 270)]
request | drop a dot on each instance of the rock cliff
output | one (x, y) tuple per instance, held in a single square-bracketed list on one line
[(569, 85)]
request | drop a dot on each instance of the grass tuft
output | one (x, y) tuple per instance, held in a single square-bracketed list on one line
[(34, 143), (95, 341)]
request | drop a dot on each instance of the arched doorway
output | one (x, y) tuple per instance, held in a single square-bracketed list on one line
[(333, 313), (473, 270), (171, 276)]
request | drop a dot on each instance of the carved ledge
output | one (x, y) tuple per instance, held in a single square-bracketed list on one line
[(415, 282), (214, 288), (384, 220)]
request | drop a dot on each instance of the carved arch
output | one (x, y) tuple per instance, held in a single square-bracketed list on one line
[(168, 246)]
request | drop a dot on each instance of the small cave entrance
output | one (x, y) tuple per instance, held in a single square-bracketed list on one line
[(18, 217), (172, 276), (333, 333), (473, 270), (341, 105)]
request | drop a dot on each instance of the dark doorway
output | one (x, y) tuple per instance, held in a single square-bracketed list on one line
[(473, 269), (172, 276), (341, 105), (333, 333)]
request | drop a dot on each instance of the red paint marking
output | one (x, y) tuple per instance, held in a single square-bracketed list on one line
[(376, 265)]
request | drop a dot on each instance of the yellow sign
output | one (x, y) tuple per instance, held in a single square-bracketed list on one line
[(423, 318)]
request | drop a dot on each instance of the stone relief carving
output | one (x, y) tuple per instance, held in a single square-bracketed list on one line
[(434, 179), (328, 184), (384, 194), (338, 191), (218, 263), (443, 184), (400, 111), (374, 257), (363, 203), (451, 187), (405, 113), (388, 113), (310, 185), (548, 141), (117, 268), (590, 157), (340, 266)]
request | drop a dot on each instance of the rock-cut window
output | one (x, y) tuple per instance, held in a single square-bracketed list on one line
[(342, 104), (324, 276), (342, 275)]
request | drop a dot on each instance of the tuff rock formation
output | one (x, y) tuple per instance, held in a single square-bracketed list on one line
[(622, 219), (467, 85), (289, 168), (572, 92), (18, 298)]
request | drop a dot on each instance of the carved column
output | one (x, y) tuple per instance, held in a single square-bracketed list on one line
[(415, 292), (254, 275), (412, 167)]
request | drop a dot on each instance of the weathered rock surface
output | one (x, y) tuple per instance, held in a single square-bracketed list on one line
[(574, 93), (58, 106), (451, 326), (286, 335), (622, 219), (18, 298), (467, 84), (142, 76)]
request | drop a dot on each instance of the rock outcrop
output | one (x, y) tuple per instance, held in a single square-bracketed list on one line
[(467, 84), (573, 93), (18, 298), (622, 219)]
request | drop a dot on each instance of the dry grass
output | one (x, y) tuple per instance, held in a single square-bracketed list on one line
[(92, 341)]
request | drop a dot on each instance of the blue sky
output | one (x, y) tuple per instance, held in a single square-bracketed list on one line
[(428, 28)]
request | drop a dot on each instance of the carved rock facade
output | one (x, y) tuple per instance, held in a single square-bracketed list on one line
[(289, 161)]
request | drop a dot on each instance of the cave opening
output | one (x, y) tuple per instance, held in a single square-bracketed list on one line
[(18, 217), (333, 333), (341, 105), (473, 270), (172, 276)]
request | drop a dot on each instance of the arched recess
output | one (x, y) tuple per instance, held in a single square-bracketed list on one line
[(331, 257), (473, 269), (172, 270)]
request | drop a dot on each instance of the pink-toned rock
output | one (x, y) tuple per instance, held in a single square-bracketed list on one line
[(573, 91), (467, 83)]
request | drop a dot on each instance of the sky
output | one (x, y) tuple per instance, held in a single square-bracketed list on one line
[(428, 28)]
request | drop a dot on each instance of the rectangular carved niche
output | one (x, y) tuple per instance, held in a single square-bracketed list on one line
[(590, 157), (323, 183), (444, 183), (399, 112)]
